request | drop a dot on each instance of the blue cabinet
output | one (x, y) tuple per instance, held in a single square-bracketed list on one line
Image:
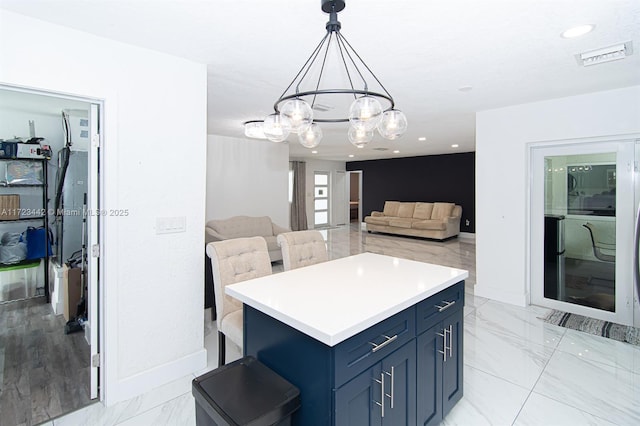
[(439, 378), (396, 366), (384, 394)]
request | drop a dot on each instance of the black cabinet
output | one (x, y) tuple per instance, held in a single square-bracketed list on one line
[(26, 179)]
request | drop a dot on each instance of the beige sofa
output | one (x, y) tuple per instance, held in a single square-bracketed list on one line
[(246, 226), (429, 220)]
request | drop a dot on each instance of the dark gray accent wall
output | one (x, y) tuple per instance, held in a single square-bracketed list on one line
[(430, 178)]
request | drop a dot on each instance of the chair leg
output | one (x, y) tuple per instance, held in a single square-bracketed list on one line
[(221, 348)]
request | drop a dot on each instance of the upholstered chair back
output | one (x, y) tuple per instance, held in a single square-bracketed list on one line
[(302, 248), (232, 261)]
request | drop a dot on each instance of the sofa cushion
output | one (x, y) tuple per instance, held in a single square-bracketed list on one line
[(272, 243), (442, 210), (391, 208), (406, 209), (429, 224), (401, 222), (423, 211), (376, 220), (242, 226)]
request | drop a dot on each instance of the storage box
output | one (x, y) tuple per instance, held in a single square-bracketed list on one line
[(72, 293), (29, 150), (9, 207), (244, 392), (8, 149)]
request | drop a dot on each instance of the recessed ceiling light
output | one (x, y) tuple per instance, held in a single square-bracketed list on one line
[(455, 145), (314, 152), (578, 31), (396, 152), (465, 88), (422, 139), (351, 155)]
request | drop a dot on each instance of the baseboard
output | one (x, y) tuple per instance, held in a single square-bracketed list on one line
[(467, 235), (144, 382), (518, 299)]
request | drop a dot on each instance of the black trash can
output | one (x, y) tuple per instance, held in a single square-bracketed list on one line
[(244, 392)]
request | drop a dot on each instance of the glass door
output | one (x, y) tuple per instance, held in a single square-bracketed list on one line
[(321, 199), (582, 229)]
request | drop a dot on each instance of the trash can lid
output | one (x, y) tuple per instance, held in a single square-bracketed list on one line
[(247, 392)]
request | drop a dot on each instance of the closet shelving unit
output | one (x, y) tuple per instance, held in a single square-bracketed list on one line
[(37, 218)]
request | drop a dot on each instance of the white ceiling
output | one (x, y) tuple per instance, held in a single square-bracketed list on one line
[(423, 51)]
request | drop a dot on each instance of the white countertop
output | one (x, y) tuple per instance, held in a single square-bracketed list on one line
[(335, 300)]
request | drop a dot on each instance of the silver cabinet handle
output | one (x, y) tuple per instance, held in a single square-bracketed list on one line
[(393, 380), (450, 340), (444, 344), (381, 404), (446, 305), (636, 255), (377, 347)]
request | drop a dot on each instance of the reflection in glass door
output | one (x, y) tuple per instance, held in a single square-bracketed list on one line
[(582, 214), (580, 229), (321, 199)]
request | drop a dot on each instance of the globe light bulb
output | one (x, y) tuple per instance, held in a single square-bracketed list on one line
[(299, 113), (254, 130), (276, 127), (393, 124), (359, 136), (365, 112), (311, 137)]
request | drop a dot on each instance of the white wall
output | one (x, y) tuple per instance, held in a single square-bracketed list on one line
[(247, 177), (502, 182), (337, 213), (153, 164)]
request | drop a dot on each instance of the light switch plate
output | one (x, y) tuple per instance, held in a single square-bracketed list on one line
[(171, 225)]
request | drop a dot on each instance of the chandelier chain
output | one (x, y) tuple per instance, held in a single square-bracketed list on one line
[(365, 65), (309, 62), (341, 48)]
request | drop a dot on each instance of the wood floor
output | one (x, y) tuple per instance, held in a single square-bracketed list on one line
[(44, 373)]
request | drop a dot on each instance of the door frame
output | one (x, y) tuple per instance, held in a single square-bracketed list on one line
[(95, 270), (626, 201)]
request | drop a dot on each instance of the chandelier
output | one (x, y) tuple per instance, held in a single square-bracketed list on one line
[(312, 97)]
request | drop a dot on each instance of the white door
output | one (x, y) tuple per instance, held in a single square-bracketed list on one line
[(582, 221), (339, 211), (93, 227)]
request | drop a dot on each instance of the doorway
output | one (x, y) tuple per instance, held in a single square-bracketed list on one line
[(67, 358), (355, 197), (582, 217)]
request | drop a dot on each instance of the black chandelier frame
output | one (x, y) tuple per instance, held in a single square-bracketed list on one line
[(347, 54)]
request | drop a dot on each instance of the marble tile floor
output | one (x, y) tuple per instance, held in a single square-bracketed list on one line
[(518, 370)]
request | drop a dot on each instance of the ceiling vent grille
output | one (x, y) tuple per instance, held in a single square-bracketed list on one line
[(322, 108), (606, 54), (381, 149)]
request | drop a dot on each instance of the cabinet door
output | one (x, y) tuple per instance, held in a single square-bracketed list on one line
[(399, 369), (453, 367), (355, 401), (429, 376)]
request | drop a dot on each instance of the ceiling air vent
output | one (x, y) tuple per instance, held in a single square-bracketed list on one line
[(606, 54), (322, 108), (381, 149)]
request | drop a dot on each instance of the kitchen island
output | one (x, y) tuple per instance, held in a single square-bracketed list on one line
[(368, 339)]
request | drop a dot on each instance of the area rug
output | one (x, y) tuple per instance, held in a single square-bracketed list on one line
[(608, 329)]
